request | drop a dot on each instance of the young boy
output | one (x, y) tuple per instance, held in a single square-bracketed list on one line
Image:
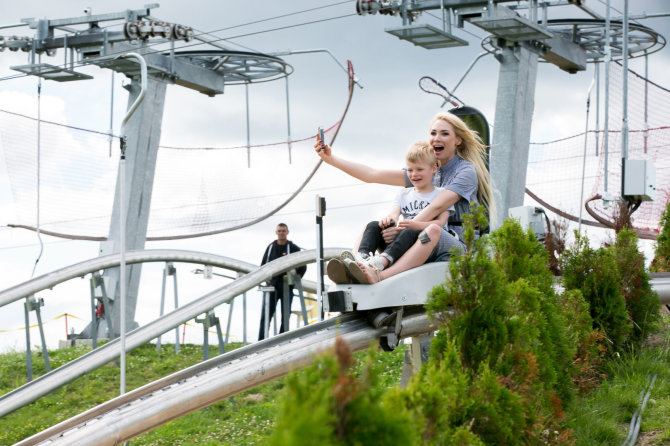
[(421, 165)]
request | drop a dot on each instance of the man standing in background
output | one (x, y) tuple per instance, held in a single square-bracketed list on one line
[(278, 248)]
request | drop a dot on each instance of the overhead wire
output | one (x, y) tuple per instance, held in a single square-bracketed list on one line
[(310, 190), (618, 11), (281, 16), (278, 214), (281, 28)]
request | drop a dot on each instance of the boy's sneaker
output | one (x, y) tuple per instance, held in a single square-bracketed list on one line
[(375, 261), (362, 257)]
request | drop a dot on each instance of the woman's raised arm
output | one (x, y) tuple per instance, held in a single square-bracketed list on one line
[(360, 171)]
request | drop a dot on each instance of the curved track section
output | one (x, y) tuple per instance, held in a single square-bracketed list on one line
[(51, 279), (74, 369), (191, 389)]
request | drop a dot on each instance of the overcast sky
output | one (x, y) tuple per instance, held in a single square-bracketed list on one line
[(388, 114)]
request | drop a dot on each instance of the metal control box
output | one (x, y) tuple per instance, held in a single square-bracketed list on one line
[(639, 180), (530, 217)]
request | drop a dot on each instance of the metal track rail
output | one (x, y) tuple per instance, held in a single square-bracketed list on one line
[(201, 385), (74, 369), (53, 278), (660, 282)]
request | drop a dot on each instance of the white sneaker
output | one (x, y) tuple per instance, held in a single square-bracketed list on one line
[(375, 261), (361, 257)]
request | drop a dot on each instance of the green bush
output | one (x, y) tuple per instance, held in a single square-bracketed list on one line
[(641, 300), (661, 262), (478, 294), (596, 274), (456, 407), (540, 321), (587, 341), (507, 323), (327, 404)]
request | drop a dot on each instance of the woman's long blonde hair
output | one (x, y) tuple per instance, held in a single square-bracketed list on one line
[(472, 149)]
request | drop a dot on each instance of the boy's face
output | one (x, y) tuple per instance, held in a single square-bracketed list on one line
[(420, 173)]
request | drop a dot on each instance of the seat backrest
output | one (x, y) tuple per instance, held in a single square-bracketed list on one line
[(476, 121)]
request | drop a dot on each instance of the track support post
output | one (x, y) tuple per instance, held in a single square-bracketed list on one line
[(320, 287)]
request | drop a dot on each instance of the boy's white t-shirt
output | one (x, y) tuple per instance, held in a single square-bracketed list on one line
[(411, 202)]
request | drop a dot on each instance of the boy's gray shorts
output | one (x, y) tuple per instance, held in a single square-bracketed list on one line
[(449, 239)]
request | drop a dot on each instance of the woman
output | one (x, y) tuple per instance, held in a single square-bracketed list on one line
[(461, 156)]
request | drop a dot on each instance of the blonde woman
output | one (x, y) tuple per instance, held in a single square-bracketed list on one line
[(461, 156)]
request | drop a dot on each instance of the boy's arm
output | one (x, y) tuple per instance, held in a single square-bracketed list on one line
[(391, 219), (441, 220), (442, 202)]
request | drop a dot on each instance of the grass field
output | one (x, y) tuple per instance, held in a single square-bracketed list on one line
[(599, 418)]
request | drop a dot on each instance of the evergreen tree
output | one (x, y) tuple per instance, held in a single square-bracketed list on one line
[(327, 404), (661, 262), (456, 407), (641, 300), (595, 273), (541, 321)]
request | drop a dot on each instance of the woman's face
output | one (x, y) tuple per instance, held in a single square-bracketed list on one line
[(443, 139)]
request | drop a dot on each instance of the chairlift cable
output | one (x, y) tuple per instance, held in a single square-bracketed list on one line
[(280, 16)]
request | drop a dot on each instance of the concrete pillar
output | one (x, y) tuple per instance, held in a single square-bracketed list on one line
[(511, 131), (143, 131)]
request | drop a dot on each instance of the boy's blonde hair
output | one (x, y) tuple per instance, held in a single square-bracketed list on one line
[(421, 152)]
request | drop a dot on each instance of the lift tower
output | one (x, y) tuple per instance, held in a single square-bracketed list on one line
[(521, 34), (206, 71)]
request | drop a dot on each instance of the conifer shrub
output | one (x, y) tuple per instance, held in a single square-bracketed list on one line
[(595, 273), (506, 323), (661, 262), (589, 343), (641, 300), (540, 319), (457, 407), (328, 404), (521, 256), (479, 295)]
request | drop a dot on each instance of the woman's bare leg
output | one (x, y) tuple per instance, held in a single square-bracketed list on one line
[(415, 256)]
